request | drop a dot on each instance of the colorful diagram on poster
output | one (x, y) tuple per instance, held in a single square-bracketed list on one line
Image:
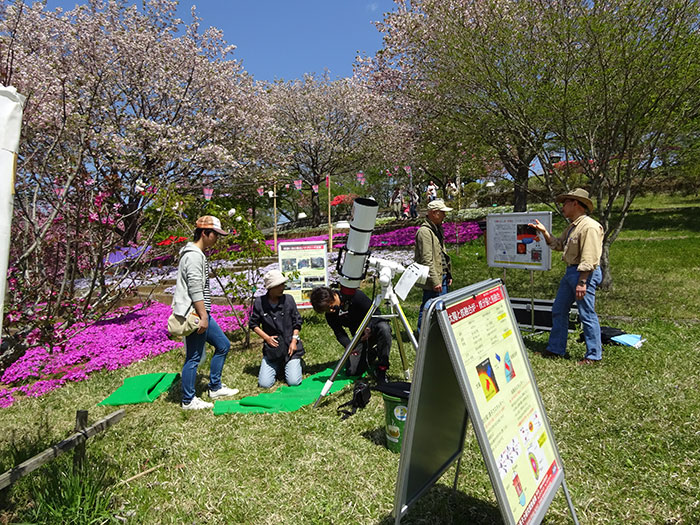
[(510, 372), (519, 489), (487, 378)]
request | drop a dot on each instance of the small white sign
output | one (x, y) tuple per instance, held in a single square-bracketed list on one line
[(415, 273)]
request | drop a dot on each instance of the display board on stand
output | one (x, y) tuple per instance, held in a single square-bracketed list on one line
[(511, 243), (306, 265), (472, 364)]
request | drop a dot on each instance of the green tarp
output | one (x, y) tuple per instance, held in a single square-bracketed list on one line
[(286, 398), (141, 389)]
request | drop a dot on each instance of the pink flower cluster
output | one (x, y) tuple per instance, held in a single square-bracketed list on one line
[(132, 334)]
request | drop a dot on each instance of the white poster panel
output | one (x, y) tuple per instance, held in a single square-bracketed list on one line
[(305, 263), (471, 360), (506, 409), (511, 243)]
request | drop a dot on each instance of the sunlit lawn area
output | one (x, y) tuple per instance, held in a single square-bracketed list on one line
[(628, 430)]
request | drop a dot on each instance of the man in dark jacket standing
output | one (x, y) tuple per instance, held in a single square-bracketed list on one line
[(349, 312), (430, 252)]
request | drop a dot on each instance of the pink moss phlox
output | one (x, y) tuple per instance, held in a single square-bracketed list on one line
[(129, 335), (468, 231), (270, 242)]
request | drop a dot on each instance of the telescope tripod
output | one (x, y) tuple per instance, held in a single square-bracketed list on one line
[(387, 296)]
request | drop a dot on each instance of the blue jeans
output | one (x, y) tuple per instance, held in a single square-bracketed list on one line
[(566, 295), (269, 370), (428, 295), (194, 352)]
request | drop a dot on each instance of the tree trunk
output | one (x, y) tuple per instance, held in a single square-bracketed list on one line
[(607, 282), (131, 223), (521, 180), (315, 209)]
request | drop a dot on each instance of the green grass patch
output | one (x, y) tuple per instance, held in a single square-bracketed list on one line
[(628, 430)]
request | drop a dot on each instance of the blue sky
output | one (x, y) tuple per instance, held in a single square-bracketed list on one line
[(287, 38)]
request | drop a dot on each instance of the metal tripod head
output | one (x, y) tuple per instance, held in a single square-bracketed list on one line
[(386, 270)]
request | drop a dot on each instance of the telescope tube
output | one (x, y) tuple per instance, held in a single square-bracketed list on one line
[(364, 217)]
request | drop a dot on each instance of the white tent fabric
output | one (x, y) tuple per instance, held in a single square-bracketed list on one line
[(11, 107)]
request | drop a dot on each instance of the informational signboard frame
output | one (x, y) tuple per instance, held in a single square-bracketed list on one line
[(511, 243), (306, 265), (472, 362)]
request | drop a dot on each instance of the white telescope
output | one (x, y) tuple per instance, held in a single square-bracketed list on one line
[(356, 251)]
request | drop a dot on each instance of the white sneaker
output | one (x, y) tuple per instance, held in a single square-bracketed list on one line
[(197, 404), (224, 391)]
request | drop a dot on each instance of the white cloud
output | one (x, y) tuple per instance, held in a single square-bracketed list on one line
[(372, 7)]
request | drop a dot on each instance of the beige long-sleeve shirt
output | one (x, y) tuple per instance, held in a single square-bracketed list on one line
[(581, 242)]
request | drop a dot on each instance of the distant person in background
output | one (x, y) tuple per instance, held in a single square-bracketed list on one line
[(397, 202), (582, 245), (275, 318), (192, 289), (451, 190), (430, 251), (414, 201), (349, 312), (431, 191)]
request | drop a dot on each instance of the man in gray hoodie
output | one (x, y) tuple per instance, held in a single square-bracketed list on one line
[(192, 291)]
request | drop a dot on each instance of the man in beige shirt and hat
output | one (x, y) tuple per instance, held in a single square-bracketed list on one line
[(582, 245)]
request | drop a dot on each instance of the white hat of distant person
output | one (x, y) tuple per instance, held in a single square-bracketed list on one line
[(273, 278)]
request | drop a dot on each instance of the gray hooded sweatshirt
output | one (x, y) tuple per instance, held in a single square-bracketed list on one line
[(192, 280)]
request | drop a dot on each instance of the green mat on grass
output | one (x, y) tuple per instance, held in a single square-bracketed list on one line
[(141, 389), (286, 398)]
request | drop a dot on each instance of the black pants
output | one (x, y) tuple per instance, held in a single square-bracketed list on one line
[(377, 346)]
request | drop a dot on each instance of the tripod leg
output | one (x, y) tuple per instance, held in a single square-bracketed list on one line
[(402, 352), (411, 337), (348, 351)]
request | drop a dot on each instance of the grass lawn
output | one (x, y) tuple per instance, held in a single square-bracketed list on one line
[(628, 430)]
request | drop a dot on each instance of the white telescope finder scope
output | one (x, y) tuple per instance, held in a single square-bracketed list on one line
[(353, 257)]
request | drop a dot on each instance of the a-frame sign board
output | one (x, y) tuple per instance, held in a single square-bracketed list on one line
[(472, 363)]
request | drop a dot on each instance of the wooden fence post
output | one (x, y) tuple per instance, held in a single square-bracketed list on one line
[(30, 465), (81, 419)]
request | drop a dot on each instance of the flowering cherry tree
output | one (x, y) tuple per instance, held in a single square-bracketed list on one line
[(469, 73), (333, 128), (121, 102)]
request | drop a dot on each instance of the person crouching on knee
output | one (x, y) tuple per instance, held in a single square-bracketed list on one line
[(276, 319)]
